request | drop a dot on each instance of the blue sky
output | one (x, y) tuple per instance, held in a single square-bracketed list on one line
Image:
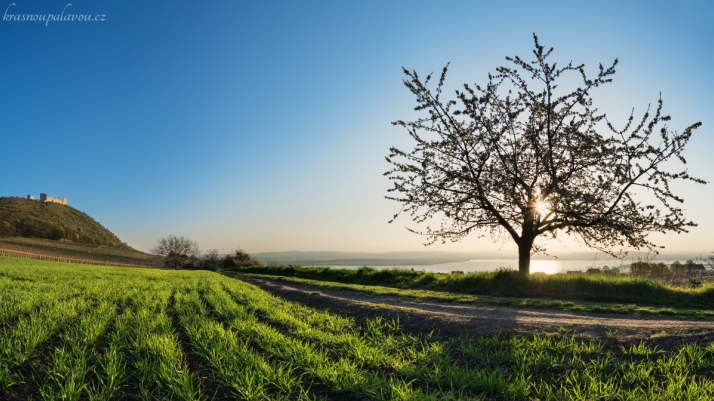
[(264, 125)]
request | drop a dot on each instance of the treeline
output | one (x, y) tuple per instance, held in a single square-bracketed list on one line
[(658, 269), (211, 260), (179, 252), (33, 228)]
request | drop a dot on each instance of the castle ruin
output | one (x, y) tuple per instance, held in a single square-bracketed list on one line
[(47, 198)]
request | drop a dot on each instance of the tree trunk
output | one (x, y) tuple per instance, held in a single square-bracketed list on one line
[(524, 254), (524, 259)]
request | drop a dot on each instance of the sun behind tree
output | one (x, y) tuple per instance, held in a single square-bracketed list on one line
[(521, 158)]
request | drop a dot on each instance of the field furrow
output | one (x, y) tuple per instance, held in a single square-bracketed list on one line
[(380, 345), (159, 369), (341, 374), (18, 343), (108, 373), (65, 378), (246, 372)]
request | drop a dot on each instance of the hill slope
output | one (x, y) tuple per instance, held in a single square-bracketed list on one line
[(21, 217), (74, 250)]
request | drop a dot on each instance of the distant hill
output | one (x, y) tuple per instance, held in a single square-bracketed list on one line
[(26, 218), (327, 258)]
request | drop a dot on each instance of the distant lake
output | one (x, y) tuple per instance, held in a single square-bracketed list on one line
[(537, 266)]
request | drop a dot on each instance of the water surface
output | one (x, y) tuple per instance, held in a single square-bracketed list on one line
[(537, 266)]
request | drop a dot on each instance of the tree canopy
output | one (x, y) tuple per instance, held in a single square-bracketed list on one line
[(175, 251), (523, 158)]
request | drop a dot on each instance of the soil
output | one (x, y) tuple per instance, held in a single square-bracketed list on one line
[(452, 319)]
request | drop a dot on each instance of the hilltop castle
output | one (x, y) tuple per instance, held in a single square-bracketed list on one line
[(46, 198)]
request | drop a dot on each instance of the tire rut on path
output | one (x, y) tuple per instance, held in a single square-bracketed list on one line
[(454, 318)]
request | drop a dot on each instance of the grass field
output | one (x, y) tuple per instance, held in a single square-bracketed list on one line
[(595, 288), (527, 303), (70, 332)]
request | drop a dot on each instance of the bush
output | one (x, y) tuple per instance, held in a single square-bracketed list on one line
[(645, 269), (239, 258), (210, 260)]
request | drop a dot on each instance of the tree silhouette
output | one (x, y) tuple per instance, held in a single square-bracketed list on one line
[(175, 251), (521, 158)]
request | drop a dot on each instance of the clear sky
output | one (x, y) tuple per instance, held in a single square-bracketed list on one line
[(264, 125)]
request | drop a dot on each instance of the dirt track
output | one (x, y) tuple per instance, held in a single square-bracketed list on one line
[(453, 319)]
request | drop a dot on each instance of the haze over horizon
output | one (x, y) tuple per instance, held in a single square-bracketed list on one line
[(264, 126)]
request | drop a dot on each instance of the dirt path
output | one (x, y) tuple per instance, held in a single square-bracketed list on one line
[(454, 319)]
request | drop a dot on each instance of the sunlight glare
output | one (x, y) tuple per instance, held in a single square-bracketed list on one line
[(542, 207)]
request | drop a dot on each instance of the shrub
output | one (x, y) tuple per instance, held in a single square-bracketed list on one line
[(645, 269), (210, 260), (240, 258)]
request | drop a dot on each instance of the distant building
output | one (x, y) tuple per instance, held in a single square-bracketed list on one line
[(45, 198), (50, 199)]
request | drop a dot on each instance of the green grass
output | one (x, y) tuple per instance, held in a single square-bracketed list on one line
[(596, 288), (529, 303), (103, 333)]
